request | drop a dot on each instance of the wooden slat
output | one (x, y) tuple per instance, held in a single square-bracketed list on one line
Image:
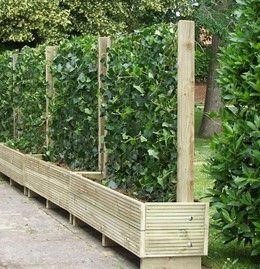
[(114, 203), (50, 181), (11, 163), (174, 229), (118, 230), (98, 176)]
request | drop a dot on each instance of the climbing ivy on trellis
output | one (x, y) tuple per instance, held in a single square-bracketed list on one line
[(141, 113), (74, 108), (29, 89), (6, 109)]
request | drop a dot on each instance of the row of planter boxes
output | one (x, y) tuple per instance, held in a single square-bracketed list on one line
[(148, 230)]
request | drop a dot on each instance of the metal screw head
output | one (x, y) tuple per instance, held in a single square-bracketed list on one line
[(190, 218), (189, 244)]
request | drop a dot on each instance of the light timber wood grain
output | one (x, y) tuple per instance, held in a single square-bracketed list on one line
[(97, 176), (103, 44), (50, 54), (174, 229), (11, 163), (171, 263), (185, 125), (16, 91)]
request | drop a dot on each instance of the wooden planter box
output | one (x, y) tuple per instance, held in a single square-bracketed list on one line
[(12, 164), (149, 230)]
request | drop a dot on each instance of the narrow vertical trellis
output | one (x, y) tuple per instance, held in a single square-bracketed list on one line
[(103, 44), (15, 92), (185, 125), (50, 54)]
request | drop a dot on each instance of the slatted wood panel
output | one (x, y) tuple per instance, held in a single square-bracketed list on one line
[(11, 163), (146, 229), (175, 229), (48, 180), (115, 215)]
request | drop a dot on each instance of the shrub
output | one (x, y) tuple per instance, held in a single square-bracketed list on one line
[(29, 100), (141, 113), (6, 108), (74, 109), (236, 161)]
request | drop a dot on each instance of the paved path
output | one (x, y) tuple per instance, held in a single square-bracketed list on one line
[(32, 237)]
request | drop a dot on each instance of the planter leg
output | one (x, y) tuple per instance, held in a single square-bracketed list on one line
[(50, 205), (11, 182), (25, 191), (107, 242), (70, 218), (171, 263), (77, 222), (32, 194)]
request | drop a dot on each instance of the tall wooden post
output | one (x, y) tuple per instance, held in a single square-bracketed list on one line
[(15, 92), (103, 44), (50, 54), (185, 177), (185, 125)]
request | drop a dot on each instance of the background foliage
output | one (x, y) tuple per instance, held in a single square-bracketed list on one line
[(74, 108), (109, 17), (32, 21), (141, 113), (235, 165)]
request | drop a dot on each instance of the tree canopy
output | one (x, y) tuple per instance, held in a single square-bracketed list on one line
[(39, 21), (32, 21)]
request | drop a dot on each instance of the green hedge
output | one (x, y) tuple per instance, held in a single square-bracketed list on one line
[(142, 113), (235, 165), (29, 100), (6, 108), (74, 109)]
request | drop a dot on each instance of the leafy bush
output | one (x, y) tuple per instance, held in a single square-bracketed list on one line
[(202, 58), (74, 109), (141, 113), (6, 108), (235, 165), (29, 100)]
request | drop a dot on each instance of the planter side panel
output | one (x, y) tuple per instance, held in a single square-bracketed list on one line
[(175, 229), (11, 163), (48, 180), (115, 215)]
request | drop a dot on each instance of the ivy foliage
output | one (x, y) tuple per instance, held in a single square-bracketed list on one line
[(29, 100), (6, 108), (74, 108), (202, 59), (140, 97), (235, 165)]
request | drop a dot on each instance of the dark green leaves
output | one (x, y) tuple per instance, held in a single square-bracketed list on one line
[(74, 108), (141, 113), (236, 161)]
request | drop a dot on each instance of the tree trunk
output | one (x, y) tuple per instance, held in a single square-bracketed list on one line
[(210, 124)]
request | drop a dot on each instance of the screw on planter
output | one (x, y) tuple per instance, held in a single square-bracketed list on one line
[(190, 218), (189, 244)]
